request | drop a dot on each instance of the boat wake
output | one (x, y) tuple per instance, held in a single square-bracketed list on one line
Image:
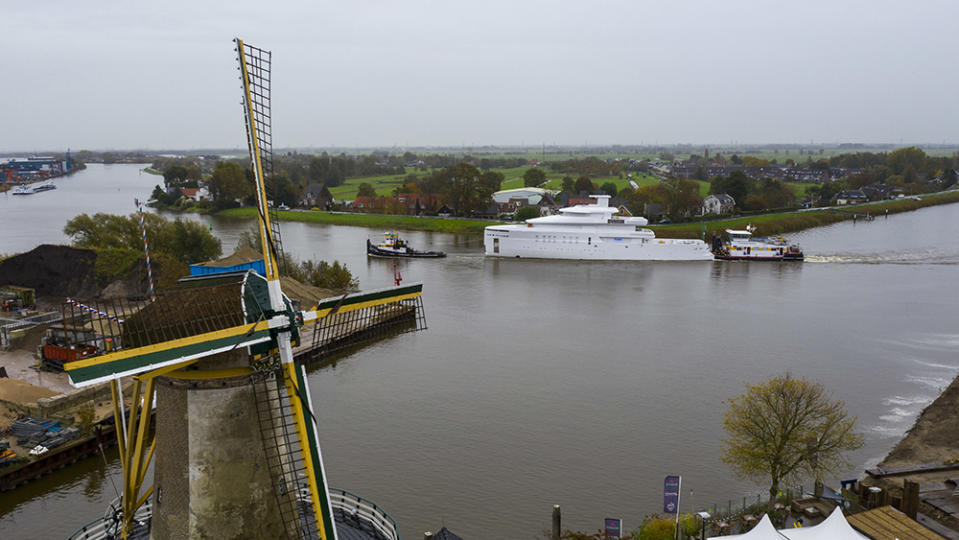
[(927, 257)]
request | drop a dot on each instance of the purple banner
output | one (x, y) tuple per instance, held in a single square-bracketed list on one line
[(671, 495), (614, 528)]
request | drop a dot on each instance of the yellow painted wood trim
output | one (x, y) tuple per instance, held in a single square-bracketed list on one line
[(164, 370), (305, 449), (272, 272), (167, 345), (118, 419), (207, 374), (353, 307)]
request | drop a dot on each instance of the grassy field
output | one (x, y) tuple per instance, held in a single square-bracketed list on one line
[(375, 221), (766, 224), (513, 178), (383, 185), (775, 224)]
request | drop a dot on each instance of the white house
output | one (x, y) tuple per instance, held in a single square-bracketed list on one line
[(718, 204)]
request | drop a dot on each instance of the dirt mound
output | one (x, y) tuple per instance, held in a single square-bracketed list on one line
[(243, 255), (308, 295), (933, 437), (57, 271)]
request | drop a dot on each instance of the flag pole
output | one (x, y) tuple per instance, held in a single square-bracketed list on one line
[(679, 499)]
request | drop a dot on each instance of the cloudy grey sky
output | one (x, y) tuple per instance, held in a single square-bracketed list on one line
[(124, 75)]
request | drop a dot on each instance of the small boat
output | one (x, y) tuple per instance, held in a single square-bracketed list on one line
[(393, 246), (30, 189), (741, 246)]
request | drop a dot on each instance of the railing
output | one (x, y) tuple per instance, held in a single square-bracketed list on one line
[(107, 526), (6, 330), (352, 504)]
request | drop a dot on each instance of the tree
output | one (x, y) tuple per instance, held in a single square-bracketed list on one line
[(533, 177), (776, 194), (685, 199), (187, 241), (568, 183), (750, 161), (465, 192), (737, 185), (609, 188), (949, 177), (281, 190), (526, 212), (175, 175), (492, 180), (898, 160), (784, 427), (637, 200), (366, 190), (193, 243), (584, 184), (229, 184)]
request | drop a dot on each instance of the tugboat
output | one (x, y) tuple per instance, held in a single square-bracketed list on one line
[(741, 246), (393, 246)]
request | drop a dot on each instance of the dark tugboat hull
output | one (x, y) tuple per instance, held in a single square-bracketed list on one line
[(406, 253)]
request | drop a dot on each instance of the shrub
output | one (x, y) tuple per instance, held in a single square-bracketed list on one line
[(526, 212), (656, 528)]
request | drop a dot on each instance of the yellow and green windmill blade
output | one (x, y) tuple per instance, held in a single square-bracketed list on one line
[(255, 68)]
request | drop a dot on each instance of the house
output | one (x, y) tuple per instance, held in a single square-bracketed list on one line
[(720, 203), (363, 203), (547, 205), (491, 210), (652, 210), (417, 203), (851, 196), (316, 195), (580, 198)]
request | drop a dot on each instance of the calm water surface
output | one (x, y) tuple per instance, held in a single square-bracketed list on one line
[(580, 384)]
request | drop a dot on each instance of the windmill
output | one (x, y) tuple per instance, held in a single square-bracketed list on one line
[(236, 450)]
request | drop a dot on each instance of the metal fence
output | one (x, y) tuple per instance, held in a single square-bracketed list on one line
[(10, 329), (365, 510)]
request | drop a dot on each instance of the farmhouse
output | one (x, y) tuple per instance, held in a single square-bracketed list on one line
[(718, 204)]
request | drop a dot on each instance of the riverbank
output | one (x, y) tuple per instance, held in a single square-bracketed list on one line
[(927, 454), (766, 224), (375, 221), (787, 222)]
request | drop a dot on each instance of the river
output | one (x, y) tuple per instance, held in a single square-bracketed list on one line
[(574, 383)]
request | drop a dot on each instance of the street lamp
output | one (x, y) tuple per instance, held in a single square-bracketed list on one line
[(704, 516)]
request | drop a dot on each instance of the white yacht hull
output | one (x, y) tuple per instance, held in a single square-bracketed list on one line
[(517, 241)]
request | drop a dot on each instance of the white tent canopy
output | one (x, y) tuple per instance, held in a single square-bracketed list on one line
[(763, 530), (833, 527)]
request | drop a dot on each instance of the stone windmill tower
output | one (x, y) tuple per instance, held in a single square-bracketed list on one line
[(235, 452)]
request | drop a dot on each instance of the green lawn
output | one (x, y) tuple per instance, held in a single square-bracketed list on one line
[(375, 221), (767, 224), (383, 185)]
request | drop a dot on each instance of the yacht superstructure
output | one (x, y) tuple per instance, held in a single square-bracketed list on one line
[(590, 232)]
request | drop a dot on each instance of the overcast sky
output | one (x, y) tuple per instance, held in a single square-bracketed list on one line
[(126, 75)]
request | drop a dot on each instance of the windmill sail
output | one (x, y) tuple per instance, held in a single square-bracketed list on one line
[(219, 347)]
